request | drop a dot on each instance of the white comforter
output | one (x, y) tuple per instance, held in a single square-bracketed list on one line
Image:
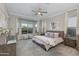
[(46, 40)]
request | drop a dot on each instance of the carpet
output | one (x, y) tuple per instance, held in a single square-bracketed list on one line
[(28, 48)]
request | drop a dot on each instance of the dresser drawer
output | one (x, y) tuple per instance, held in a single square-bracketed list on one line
[(70, 42)]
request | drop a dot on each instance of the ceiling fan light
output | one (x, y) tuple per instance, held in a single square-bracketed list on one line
[(39, 13)]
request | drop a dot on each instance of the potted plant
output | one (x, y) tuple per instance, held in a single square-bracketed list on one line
[(3, 31)]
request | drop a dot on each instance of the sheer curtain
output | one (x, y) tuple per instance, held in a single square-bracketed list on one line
[(3, 25), (3, 22), (72, 23)]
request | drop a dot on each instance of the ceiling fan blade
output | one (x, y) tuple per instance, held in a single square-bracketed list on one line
[(41, 14), (33, 11), (39, 8), (36, 14), (44, 12)]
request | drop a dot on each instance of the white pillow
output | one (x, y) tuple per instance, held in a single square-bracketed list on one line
[(51, 34), (56, 35), (47, 34)]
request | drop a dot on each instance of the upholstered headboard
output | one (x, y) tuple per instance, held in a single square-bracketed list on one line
[(61, 33)]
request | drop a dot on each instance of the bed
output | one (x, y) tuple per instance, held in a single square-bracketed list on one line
[(47, 42)]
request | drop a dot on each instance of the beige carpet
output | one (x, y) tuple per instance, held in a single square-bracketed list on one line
[(28, 48)]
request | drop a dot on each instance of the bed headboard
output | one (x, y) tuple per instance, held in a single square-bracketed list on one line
[(61, 33)]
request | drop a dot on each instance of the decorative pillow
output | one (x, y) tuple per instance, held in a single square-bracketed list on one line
[(52, 35), (56, 35), (47, 34)]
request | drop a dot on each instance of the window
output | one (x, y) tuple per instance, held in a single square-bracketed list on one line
[(71, 31), (3, 22), (27, 28), (30, 28), (24, 28), (36, 28), (25, 25)]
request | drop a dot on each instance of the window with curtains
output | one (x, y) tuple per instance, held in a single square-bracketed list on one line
[(2, 20), (24, 28), (71, 30), (27, 28), (30, 28), (72, 22), (36, 27)]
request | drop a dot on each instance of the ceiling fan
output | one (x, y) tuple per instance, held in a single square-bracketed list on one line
[(40, 11)]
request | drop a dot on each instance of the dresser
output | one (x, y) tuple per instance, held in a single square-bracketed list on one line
[(70, 42), (77, 41)]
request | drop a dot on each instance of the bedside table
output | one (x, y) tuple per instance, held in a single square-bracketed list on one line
[(70, 42)]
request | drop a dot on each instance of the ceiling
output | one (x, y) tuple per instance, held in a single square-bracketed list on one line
[(25, 9)]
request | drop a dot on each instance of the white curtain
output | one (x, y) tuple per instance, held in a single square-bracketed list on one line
[(3, 22)]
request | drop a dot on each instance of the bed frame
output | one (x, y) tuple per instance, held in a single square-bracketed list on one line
[(61, 34)]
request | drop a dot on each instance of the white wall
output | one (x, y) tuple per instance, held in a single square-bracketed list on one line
[(3, 9), (77, 31), (59, 21)]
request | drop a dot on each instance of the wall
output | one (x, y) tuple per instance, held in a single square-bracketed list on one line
[(77, 22), (3, 8), (59, 21)]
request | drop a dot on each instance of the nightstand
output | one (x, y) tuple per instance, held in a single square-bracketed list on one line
[(70, 42), (42, 34)]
